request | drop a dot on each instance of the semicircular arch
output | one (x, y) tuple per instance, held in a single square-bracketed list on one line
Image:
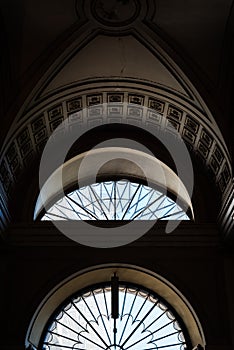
[(126, 273)]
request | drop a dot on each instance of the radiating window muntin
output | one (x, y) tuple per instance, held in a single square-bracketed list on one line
[(115, 200), (145, 322)]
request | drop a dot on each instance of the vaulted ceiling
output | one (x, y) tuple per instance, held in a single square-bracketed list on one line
[(185, 47), (199, 32)]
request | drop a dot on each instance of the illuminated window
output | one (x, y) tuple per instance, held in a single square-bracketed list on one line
[(140, 320), (115, 200)]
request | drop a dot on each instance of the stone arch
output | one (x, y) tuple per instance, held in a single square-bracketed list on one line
[(138, 103), (142, 74), (103, 273)]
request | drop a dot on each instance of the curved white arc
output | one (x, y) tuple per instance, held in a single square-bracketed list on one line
[(152, 169)]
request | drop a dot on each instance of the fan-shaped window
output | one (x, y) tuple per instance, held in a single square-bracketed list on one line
[(115, 316), (120, 192), (115, 200)]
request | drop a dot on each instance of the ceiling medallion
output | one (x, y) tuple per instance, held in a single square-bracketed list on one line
[(115, 12)]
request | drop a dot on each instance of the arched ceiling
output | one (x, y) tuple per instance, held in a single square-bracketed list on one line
[(200, 32), (178, 50), (198, 27), (106, 56)]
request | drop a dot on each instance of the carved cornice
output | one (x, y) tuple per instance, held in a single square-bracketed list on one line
[(226, 217), (86, 105)]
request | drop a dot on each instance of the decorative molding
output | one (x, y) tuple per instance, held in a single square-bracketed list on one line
[(4, 213), (88, 107), (115, 13), (226, 217), (143, 108)]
